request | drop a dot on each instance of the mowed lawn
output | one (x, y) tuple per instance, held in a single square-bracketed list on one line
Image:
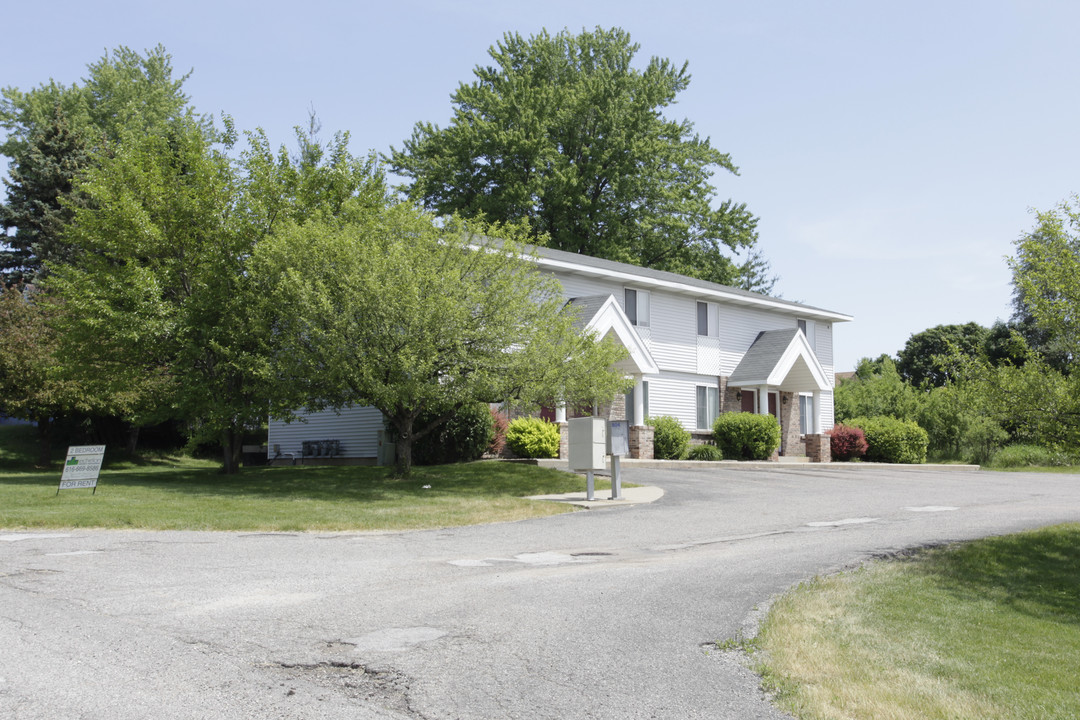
[(988, 629), (184, 494)]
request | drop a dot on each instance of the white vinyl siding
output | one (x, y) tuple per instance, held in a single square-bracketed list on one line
[(357, 428), (672, 341)]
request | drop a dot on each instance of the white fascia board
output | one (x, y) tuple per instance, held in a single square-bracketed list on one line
[(610, 317), (641, 280), (799, 347)]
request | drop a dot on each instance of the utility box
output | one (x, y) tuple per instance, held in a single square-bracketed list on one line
[(588, 443), (387, 450), (618, 444)]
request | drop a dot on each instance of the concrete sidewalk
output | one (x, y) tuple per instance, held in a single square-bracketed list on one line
[(630, 496)]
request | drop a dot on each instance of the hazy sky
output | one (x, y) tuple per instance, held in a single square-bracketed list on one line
[(892, 151)]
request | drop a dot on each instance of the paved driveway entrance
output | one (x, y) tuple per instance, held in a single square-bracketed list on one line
[(598, 614)]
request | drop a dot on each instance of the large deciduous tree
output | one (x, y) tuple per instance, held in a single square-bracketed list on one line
[(930, 357), (392, 310), (163, 289), (1046, 276), (55, 132), (33, 384), (564, 133)]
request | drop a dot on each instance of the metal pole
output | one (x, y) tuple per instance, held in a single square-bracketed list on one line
[(589, 485), (616, 479)]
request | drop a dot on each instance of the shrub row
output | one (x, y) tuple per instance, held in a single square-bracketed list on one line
[(892, 441)]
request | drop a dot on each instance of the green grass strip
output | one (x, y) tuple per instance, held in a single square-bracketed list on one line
[(183, 494), (988, 629)]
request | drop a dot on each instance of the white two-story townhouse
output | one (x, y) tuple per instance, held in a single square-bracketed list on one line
[(695, 349)]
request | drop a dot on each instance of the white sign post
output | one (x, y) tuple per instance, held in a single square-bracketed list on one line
[(82, 467)]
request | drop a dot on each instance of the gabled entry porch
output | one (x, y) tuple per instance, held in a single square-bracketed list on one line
[(780, 375)]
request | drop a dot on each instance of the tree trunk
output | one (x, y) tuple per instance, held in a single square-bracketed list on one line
[(404, 427), (230, 451), (44, 432), (132, 438)]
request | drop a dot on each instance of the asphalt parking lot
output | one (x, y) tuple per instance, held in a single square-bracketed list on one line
[(605, 613)]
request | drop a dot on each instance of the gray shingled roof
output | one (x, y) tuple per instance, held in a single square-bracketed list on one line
[(587, 306), (663, 275), (762, 357)]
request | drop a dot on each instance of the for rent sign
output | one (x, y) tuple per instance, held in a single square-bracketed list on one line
[(82, 467)]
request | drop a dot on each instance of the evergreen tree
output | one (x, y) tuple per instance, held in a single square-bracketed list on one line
[(41, 177)]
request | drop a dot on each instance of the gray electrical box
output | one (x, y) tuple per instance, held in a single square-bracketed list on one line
[(588, 443), (619, 438)]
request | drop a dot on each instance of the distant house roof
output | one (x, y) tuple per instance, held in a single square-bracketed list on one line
[(634, 275), (603, 315), (782, 359)]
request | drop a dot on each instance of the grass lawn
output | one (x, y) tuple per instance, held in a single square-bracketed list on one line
[(185, 494), (988, 629)]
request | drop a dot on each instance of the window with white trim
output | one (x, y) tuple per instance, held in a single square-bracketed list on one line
[(636, 306), (708, 319), (708, 406), (806, 414), (809, 330)]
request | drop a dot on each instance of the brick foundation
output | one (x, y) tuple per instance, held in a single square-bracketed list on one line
[(641, 442), (819, 448)]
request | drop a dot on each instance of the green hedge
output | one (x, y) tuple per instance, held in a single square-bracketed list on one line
[(892, 441), (671, 440), (705, 452), (746, 436), (533, 438)]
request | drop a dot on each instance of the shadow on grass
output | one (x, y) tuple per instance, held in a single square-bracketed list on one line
[(1036, 573)]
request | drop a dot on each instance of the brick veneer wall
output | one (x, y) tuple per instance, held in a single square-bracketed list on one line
[(819, 448)]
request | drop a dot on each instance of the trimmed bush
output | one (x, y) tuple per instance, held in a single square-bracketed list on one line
[(893, 441), (1014, 456), (499, 424), (847, 443), (746, 436), (462, 438), (670, 439), (705, 452), (533, 438)]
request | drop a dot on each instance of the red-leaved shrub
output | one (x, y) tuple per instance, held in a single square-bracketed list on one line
[(847, 442), (499, 424)]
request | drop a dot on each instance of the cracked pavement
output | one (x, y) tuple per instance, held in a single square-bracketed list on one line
[(595, 614)]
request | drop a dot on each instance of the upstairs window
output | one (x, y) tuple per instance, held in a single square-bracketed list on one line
[(808, 330), (636, 305), (708, 319)]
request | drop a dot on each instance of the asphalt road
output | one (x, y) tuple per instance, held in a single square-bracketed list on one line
[(596, 614)]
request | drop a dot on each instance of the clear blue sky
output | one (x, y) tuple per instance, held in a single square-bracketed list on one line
[(891, 150)]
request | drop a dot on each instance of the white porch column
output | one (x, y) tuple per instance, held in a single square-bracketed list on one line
[(560, 412), (639, 401), (815, 425), (763, 400)]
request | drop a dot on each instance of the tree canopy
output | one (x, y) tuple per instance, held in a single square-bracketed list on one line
[(930, 357), (563, 133), (392, 310), (1046, 275), (55, 132)]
